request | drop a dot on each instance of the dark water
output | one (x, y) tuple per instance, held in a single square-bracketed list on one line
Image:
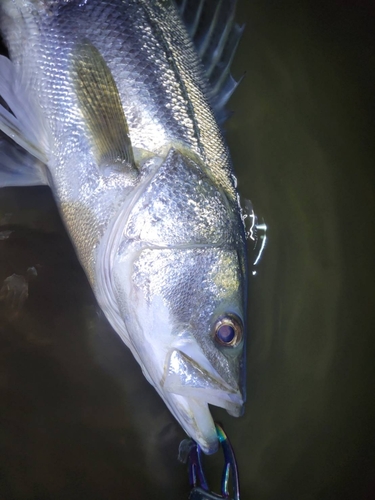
[(78, 421)]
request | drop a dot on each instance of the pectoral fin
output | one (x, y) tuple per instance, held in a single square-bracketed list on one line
[(23, 134), (20, 116), (18, 167), (102, 109)]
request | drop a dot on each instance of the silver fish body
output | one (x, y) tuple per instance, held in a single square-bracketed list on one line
[(158, 231)]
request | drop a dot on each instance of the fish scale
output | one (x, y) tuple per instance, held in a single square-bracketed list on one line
[(120, 123), (153, 123)]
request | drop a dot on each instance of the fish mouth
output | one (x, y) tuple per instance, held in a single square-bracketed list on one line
[(192, 384)]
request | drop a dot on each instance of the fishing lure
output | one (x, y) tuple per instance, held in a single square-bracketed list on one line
[(190, 451)]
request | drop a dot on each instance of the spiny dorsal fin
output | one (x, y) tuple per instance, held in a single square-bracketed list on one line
[(215, 34), (102, 109)]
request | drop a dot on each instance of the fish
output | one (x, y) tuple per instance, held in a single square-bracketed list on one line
[(117, 106)]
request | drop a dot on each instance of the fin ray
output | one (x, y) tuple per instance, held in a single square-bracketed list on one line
[(12, 127), (102, 109), (18, 167), (194, 26), (23, 123), (207, 37), (211, 25)]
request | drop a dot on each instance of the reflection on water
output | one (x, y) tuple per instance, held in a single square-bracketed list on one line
[(77, 418)]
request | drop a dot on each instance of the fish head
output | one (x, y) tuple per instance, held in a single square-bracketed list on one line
[(180, 286)]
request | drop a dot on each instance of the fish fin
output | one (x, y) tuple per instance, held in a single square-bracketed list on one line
[(18, 167), (20, 118), (215, 35), (102, 110)]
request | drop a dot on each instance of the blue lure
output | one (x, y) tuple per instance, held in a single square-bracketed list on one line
[(191, 453)]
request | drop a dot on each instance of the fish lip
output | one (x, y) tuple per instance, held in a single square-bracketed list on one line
[(186, 377), (188, 386), (195, 418)]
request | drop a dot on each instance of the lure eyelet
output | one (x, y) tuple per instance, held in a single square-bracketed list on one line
[(228, 330)]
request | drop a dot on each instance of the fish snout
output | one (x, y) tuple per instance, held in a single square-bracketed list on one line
[(199, 381)]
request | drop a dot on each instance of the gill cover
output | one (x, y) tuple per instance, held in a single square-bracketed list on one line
[(176, 268)]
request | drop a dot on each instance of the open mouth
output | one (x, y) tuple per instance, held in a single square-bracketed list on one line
[(192, 385), (184, 376)]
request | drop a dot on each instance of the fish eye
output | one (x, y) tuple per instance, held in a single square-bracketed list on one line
[(228, 330)]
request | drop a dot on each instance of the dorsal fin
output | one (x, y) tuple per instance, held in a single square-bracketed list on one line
[(215, 34)]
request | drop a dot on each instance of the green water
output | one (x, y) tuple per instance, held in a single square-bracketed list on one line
[(78, 420)]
